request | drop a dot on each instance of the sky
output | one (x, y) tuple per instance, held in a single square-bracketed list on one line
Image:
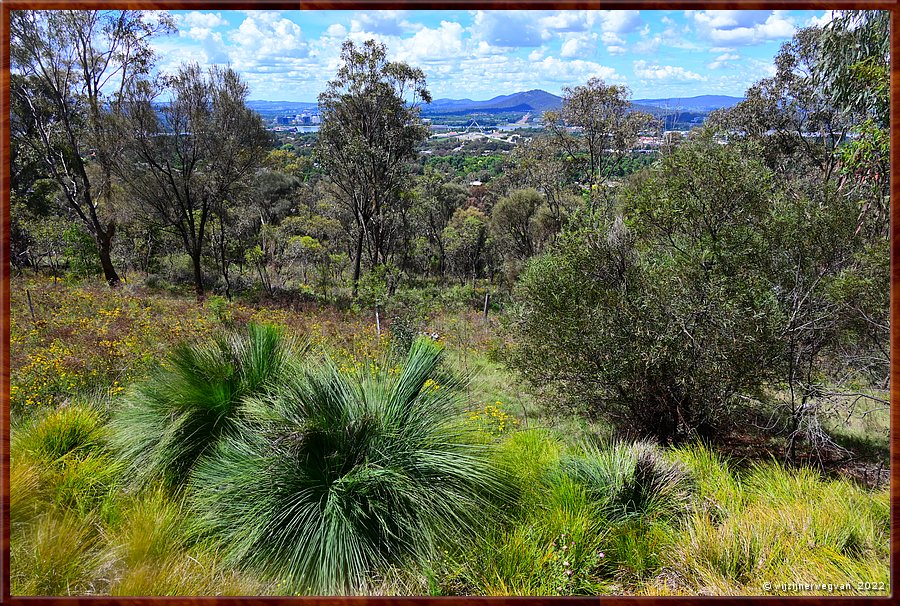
[(290, 55)]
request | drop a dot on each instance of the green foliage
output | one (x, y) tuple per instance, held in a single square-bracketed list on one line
[(788, 519), (466, 238), (631, 480), (66, 448), (515, 224), (349, 475), (657, 321), (81, 252), (220, 308), (168, 422), (54, 556), (68, 430)]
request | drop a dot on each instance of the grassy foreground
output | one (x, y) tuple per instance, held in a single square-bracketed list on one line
[(585, 516)]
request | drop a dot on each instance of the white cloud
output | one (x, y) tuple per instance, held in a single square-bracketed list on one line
[(200, 34), (722, 60), (577, 71), (444, 42), (579, 45), (389, 23), (620, 22), (267, 35), (336, 30), (198, 19), (669, 73), (649, 46), (536, 55), (822, 20), (741, 27), (616, 50), (568, 21), (611, 38), (508, 29)]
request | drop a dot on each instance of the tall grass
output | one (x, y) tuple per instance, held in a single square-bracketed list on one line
[(350, 475), (779, 525), (56, 554), (150, 551), (169, 421), (61, 458)]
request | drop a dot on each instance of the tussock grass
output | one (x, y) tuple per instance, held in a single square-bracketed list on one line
[(150, 551), (26, 495), (630, 480), (69, 430), (552, 549), (329, 481), (61, 458), (55, 555), (788, 525)]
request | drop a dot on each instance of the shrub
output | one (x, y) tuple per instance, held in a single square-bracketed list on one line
[(168, 422), (350, 475), (657, 319)]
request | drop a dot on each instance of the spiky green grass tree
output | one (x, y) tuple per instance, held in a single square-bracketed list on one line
[(631, 479), (169, 421), (352, 474)]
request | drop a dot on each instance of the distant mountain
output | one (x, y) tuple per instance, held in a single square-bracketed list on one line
[(533, 101), (529, 101), (703, 103)]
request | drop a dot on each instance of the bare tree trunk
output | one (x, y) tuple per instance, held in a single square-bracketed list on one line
[(104, 247), (356, 263), (198, 276)]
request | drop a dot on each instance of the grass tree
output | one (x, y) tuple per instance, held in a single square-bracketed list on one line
[(168, 422), (353, 473)]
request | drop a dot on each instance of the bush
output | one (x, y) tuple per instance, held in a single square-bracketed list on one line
[(658, 319), (350, 475), (169, 421)]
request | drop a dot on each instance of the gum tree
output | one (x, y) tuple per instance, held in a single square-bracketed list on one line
[(69, 71), (370, 130)]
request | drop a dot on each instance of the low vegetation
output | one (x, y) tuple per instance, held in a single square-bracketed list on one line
[(417, 443)]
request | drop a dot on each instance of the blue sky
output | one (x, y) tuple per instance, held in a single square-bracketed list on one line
[(290, 55)]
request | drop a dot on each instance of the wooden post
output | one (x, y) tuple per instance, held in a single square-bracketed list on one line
[(377, 321), (30, 305), (487, 297)]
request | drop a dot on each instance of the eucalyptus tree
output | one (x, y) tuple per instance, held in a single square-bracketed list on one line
[(435, 202), (186, 157), (606, 129), (69, 69), (370, 131), (792, 113)]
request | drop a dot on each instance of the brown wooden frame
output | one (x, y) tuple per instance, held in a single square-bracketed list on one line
[(8, 5)]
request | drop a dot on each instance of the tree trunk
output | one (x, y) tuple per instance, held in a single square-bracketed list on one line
[(104, 246), (198, 276), (356, 263)]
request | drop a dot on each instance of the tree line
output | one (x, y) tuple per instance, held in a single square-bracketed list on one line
[(136, 165)]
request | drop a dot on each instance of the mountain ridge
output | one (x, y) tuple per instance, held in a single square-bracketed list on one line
[(535, 100)]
